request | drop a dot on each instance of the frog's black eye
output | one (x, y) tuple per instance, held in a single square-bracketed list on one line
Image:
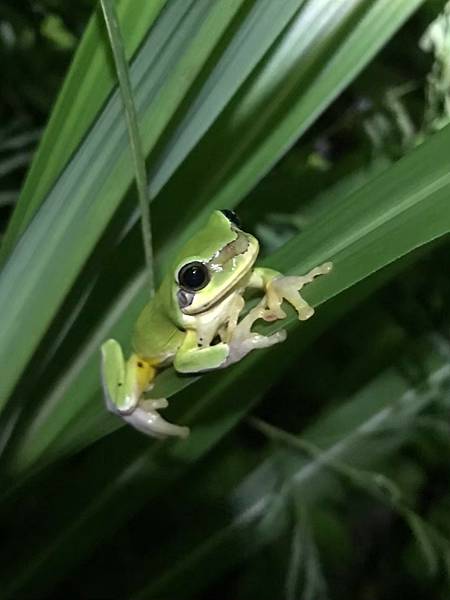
[(193, 277), (231, 216)]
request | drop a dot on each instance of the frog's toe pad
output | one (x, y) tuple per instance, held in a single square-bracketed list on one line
[(153, 404), (279, 336), (305, 313)]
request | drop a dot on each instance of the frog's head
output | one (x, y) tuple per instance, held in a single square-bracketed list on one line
[(212, 263)]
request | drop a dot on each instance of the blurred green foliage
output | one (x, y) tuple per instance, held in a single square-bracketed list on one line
[(336, 486)]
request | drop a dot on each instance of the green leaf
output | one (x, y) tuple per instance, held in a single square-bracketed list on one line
[(322, 50), (52, 261), (400, 210)]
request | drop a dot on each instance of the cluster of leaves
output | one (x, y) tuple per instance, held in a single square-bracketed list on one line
[(318, 468)]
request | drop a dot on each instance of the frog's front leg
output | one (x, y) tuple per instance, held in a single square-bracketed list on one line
[(124, 384), (194, 357), (280, 287), (235, 309), (243, 340)]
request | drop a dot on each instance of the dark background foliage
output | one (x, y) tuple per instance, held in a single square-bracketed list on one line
[(37, 41)]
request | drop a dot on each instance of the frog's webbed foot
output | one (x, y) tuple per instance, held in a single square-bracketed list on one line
[(146, 418), (244, 340), (288, 288), (124, 384)]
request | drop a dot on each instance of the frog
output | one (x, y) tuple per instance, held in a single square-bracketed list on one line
[(193, 322)]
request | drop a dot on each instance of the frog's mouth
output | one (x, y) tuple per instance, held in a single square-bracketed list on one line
[(234, 261)]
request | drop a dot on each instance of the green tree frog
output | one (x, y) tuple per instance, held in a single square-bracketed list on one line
[(193, 320)]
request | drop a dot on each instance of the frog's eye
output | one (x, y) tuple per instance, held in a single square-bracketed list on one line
[(231, 216), (193, 277)]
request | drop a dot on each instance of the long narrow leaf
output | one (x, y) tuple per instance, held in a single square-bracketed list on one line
[(123, 76), (405, 207)]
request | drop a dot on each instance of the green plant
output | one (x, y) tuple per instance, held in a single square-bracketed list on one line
[(223, 91)]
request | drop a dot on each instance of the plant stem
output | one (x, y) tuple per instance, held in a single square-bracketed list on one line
[(123, 76)]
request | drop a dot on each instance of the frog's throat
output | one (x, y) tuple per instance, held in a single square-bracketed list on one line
[(242, 246)]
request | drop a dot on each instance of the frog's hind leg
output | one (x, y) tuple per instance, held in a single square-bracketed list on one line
[(124, 384)]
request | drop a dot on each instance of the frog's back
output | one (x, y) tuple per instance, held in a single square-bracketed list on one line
[(155, 335)]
